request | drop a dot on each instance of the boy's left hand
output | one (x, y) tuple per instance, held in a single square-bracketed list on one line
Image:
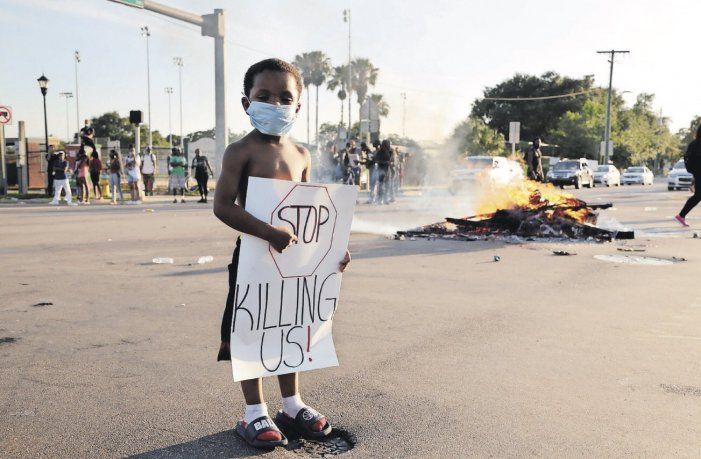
[(344, 263)]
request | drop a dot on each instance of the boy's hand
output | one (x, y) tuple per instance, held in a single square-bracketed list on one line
[(281, 237), (344, 263)]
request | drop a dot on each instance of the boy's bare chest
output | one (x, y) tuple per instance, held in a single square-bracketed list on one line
[(283, 165)]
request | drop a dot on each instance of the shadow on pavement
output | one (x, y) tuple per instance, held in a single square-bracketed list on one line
[(383, 248), (220, 445)]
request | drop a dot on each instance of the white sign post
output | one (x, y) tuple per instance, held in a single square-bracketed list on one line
[(514, 135), (284, 303)]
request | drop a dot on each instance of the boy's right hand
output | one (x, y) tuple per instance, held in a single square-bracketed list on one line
[(281, 237)]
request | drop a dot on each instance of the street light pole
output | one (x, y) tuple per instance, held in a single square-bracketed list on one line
[(403, 114), (146, 33), (607, 133), (77, 105), (67, 95), (179, 63), (347, 18), (44, 86), (169, 91)]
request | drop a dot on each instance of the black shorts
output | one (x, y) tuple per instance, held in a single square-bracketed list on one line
[(224, 352), (95, 177)]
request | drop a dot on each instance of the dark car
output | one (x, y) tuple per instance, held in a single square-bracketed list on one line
[(571, 172)]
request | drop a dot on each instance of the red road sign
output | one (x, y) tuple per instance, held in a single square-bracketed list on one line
[(5, 114)]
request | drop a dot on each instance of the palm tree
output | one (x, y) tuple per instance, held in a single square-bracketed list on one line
[(364, 76), (320, 70), (381, 104), (339, 79), (303, 62)]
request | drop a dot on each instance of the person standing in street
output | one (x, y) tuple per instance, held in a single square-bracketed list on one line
[(383, 158), (148, 171), (534, 163), (692, 161), (60, 168), (202, 170), (95, 167), (115, 167), (178, 175), (51, 159), (133, 167), (81, 176)]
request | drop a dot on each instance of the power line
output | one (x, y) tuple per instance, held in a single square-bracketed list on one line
[(559, 96)]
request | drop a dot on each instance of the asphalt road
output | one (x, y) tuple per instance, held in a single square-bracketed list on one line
[(443, 352)]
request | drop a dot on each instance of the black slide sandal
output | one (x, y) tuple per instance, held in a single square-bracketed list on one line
[(262, 424), (303, 422)]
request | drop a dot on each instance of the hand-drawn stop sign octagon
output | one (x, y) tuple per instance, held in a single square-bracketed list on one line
[(311, 215)]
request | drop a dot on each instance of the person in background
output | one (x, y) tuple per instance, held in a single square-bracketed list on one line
[(148, 171), (87, 135), (393, 174), (202, 170), (692, 161), (60, 167), (534, 163), (95, 167), (368, 160), (178, 174), (383, 160), (115, 167), (353, 161), (82, 164), (133, 167)]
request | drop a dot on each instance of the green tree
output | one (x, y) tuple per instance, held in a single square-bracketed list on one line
[(381, 103), (115, 127), (321, 69), (305, 64), (537, 117), (364, 75), (474, 137), (339, 80), (686, 135)]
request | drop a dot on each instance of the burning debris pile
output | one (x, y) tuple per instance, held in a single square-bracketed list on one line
[(529, 210)]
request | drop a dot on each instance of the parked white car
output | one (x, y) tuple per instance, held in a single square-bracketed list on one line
[(679, 178), (637, 174), (607, 175), (494, 170)]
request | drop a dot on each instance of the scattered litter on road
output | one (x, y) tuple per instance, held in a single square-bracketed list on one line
[(497, 258), (696, 235), (161, 261), (8, 340), (650, 209), (629, 249), (42, 304), (109, 240), (678, 259), (563, 253), (204, 260), (24, 413), (148, 210), (634, 260), (22, 283), (181, 305)]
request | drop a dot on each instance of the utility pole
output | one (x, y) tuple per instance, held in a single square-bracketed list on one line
[(169, 91), (607, 133), (146, 33), (347, 18), (67, 95), (179, 62), (212, 25), (403, 114), (77, 105)]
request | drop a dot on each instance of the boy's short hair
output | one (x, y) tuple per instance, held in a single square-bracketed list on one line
[(273, 65)]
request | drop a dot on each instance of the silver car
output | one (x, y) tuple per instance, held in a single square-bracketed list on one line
[(637, 174), (679, 178), (607, 175)]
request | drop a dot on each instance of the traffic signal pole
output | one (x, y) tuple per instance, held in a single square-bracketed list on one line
[(211, 25)]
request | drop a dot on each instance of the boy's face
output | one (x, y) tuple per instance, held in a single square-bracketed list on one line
[(276, 88)]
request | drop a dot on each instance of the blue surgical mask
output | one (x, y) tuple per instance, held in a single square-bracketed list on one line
[(272, 119)]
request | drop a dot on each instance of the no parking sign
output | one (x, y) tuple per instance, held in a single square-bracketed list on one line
[(5, 114)]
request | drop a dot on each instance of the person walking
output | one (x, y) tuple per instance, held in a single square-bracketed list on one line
[(82, 165), (133, 166), (534, 163), (148, 171), (692, 161), (202, 170), (95, 168), (115, 167), (178, 175), (383, 160), (60, 167)]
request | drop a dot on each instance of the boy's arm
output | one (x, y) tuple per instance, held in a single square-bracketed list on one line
[(226, 209)]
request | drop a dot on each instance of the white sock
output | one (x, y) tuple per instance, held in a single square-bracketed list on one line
[(253, 412), (292, 404)]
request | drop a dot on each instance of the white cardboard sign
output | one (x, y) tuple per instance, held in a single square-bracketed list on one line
[(284, 303)]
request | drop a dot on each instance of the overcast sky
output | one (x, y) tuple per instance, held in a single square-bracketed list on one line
[(441, 53)]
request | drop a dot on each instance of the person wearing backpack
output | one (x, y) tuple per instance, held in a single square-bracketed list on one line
[(692, 161)]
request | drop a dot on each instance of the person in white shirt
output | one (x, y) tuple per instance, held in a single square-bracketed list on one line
[(148, 171), (132, 165)]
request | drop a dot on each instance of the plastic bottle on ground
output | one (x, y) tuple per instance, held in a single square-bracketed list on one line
[(160, 261), (206, 259)]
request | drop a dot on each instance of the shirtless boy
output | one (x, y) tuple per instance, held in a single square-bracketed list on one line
[(272, 90)]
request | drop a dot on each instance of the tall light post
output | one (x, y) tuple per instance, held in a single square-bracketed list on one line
[(44, 86), (178, 61), (347, 18), (67, 95), (77, 105), (607, 133), (146, 33), (169, 91)]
